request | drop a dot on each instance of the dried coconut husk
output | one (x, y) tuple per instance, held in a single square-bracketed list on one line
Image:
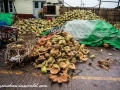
[(50, 60), (63, 33), (57, 46), (62, 42), (71, 53), (82, 57), (37, 66), (62, 54), (47, 55), (52, 77), (72, 66), (86, 51), (65, 70), (67, 48), (61, 59), (83, 49), (82, 46), (73, 60), (59, 80), (41, 42), (41, 58), (62, 65), (55, 80), (48, 44), (54, 52), (63, 77), (68, 57), (54, 70), (58, 55), (49, 67), (104, 63), (42, 49)]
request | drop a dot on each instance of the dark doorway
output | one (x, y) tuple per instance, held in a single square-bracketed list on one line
[(6, 6)]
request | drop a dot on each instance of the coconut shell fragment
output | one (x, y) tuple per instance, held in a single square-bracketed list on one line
[(51, 76), (83, 57), (72, 66), (54, 70), (63, 77), (63, 65)]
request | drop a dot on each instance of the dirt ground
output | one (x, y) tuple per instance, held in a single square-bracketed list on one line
[(85, 77)]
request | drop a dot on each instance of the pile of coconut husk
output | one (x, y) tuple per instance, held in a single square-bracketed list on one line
[(117, 25), (76, 14), (36, 26), (39, 26), (56, 54)]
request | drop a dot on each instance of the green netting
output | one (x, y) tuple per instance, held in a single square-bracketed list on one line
[(7, 17), (94, 32)]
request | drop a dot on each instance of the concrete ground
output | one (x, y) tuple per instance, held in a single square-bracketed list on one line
[(85, 77)]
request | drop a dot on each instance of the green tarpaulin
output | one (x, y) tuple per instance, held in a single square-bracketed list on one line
[(93, 32), (7, 17)]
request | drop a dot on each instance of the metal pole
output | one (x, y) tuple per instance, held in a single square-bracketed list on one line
[(63, 3), (81, 3), (118, 3), (99, 4)]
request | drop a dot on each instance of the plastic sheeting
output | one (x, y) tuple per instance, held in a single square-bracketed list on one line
[(6, 17), (93, 32)]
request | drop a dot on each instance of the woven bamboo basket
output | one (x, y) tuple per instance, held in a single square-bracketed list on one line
[(18, 52)]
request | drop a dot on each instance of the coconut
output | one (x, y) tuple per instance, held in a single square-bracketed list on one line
[(44, 69), (105, 45)]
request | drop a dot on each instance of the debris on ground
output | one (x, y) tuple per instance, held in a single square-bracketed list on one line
[(105, 64), (109, 54), (90, 64), (105, 45), (92, 56), (36, 74), (95, 85)]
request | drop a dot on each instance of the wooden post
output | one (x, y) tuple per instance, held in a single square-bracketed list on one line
[(99, 6), (15, 12)]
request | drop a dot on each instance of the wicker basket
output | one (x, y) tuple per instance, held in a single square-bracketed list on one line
[(17, 52)]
